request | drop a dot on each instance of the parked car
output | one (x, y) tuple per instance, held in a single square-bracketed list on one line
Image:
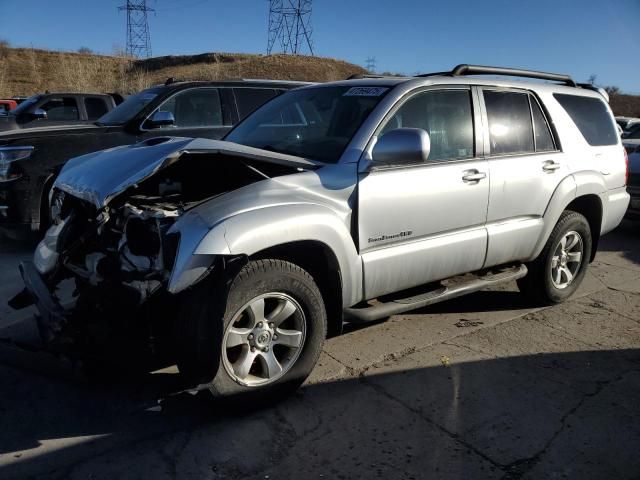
[(52, 109), (634, 184), (30, 158), (7, 105), (242, 254), (627, 123)]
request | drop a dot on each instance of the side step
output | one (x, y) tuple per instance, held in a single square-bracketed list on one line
[(370, 313)]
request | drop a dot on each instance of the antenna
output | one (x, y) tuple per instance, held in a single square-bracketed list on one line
[(371, 64), (290, 26), (138, 39)]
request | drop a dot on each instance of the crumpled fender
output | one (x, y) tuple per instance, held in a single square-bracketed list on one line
[(252, 231)]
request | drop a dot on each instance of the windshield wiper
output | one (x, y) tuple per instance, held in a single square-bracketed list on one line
[(284, 151)]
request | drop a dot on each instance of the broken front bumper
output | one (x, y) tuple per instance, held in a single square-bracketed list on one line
[(52, 316)]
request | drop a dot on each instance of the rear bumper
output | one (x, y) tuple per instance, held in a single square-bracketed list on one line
[(614, 207), (52, 315)]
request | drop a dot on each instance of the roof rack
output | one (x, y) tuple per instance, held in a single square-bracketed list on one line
[(360, 76), (465, 69)]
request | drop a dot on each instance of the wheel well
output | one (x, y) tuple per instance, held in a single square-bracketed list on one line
[(321, 263), (591, 207)]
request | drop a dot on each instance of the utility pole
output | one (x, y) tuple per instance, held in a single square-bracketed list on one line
[(138, 39), (371, 64), (290, 26)]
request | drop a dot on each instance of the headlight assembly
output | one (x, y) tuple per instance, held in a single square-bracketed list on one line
[(9, 155)]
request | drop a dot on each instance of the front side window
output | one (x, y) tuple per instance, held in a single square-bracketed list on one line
[(592, 118), (198, 107), (510, 126), (446, 115), (61, 109), (315, 122)]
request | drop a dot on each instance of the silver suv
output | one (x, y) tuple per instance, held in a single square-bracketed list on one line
[(237, 258)]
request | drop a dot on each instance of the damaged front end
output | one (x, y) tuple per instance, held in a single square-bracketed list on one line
[(100, 276)]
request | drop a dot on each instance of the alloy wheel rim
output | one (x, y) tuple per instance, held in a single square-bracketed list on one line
[(566, 260), (264, 339)]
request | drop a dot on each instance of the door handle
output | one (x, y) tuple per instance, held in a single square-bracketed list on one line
[(550, 166), (473, 176)]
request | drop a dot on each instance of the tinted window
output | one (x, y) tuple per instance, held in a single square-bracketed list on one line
[(248, 99), (592, 118), (544, 140), (633, 133), (198, 107), (510, 129), (445, 115), (61, 109), (96, 107)]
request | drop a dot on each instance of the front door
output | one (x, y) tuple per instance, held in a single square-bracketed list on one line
[(426, 222), (198, 112)]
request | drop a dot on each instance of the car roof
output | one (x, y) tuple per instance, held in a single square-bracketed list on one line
[(234, 83)]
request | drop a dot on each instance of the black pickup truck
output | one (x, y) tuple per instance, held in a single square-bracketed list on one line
[(31, 158), (54, 109)]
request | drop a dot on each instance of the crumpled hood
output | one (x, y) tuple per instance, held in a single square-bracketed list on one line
[(100, 176)]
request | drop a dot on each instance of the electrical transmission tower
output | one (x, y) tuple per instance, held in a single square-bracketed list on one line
[(371, 64), (138, 39), (290, 26)]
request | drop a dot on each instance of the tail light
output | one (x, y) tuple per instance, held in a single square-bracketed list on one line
[(626, 167)]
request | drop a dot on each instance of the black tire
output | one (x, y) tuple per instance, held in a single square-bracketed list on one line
[(538, 284), (210, 309)]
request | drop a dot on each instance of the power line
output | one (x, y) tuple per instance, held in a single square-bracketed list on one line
[(371, 64), (138, 38), (290, 26)]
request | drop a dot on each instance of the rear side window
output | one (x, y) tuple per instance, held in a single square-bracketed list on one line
[(544, 140), (96, 107), (510, 126), (592, 118), (248, 99)]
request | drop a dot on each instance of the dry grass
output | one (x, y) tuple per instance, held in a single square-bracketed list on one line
[(25, 71)]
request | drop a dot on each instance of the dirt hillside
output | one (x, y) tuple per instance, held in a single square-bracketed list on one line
[(25, 71)]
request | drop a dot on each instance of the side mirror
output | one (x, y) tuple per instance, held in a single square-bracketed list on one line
[(161, 119), (402, 146), (39, 114)]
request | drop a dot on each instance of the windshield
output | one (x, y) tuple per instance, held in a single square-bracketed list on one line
[(26, 105), (129, 108), (315, 123)]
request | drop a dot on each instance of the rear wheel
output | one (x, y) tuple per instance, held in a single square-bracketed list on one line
[(259, 339), (561, 266)]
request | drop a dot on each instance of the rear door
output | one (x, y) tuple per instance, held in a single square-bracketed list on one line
[(425, 222), (526, 167)]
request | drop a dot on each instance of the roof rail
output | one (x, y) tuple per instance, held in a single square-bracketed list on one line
[(360, 76), (465, 69)]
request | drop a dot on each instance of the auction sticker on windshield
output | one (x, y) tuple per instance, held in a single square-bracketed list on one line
[(365, 92)]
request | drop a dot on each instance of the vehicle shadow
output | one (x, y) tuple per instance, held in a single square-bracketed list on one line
[(624, 240), (472, 418)]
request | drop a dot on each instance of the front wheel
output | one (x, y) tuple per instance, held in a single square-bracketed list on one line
[(266, 331), (561, 266)]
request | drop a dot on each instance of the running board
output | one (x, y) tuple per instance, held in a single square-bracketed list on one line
[(370, 313)]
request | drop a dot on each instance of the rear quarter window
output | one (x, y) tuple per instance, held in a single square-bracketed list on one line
[(592, 118)]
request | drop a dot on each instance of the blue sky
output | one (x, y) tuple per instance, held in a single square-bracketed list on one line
[(568, 36)]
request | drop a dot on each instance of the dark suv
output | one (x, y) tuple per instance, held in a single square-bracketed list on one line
[(31, 158), (54, 109)]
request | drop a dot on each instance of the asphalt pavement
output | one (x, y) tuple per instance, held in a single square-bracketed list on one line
[(485, 386)]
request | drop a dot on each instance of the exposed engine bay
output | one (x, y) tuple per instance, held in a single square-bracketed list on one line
[(109, 267)]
